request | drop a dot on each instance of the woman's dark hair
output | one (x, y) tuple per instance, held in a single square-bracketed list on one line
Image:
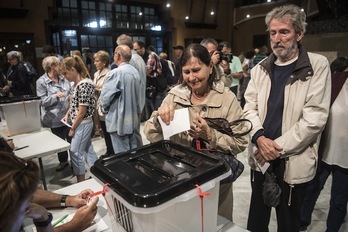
[(339, 64), (18, 180), (201, 53)]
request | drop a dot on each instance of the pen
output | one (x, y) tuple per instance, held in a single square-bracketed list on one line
[(20, 148), (59, 220)]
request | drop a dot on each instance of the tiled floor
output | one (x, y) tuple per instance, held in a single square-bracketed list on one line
[(242, 191)]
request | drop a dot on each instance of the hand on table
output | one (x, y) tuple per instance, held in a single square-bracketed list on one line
[(78, 200), (84, 216)]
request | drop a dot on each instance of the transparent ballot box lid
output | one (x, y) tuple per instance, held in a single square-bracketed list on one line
[(153, 174), (6, 100)]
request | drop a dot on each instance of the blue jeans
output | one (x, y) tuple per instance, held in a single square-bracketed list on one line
[(338, 201), (82, 149), (123, 143)]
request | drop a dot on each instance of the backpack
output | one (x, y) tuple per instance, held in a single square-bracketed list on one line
[(31, 74), (31, 71), (168, 71)]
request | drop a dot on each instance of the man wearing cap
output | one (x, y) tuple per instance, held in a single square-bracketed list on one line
[(178, 51)]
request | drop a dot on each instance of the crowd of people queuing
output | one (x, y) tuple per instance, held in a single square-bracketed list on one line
[(285, 94)]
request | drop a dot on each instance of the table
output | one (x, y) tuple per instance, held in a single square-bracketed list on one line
[(37, 145), (73, 190), (223, 225)]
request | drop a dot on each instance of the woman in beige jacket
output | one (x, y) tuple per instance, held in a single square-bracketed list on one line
[(205, 96), (101, 62)]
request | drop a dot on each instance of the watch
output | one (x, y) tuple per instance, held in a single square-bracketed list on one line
[(44, 223), (63, 201)]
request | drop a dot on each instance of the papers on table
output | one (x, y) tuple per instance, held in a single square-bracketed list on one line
[(180, 123), (97, 224)]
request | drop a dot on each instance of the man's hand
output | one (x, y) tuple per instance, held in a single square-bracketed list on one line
[(215, 57), (268, 149), (78, 200), (82, 218)]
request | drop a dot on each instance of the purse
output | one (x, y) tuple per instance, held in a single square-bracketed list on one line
[(271, 191), (236, 129), (236, 166)]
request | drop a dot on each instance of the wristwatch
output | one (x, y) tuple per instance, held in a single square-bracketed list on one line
[(63, 201), (44, 223)]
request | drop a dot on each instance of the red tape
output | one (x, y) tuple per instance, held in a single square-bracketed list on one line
[(100, 192), (201, 195), (25, 109)]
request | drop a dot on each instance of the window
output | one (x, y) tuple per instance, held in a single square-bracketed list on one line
[(68, 13), (121, 16), (97, 42), (69, 41), (89, 17), (105, 15)]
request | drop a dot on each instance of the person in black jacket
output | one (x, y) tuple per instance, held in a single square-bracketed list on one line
[(18, 81)]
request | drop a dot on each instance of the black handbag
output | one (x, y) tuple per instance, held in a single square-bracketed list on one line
[(271, 191), (236, 129), (236, 166)]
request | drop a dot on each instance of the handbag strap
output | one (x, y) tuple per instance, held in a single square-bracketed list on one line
[(239, 121), (222, 125)]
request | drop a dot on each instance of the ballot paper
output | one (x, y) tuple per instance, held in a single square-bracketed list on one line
[(180, 123), (67, 124), (263, 167)]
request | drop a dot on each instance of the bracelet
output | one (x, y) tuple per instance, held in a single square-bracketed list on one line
[(63, 201), (44, 223)]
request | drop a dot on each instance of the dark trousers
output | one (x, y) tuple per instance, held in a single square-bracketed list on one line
[(234, 90), (62, 132), (288, 211), (107, 139), (338, 201)]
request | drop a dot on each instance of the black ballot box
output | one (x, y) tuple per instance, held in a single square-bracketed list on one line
[(153, 188)]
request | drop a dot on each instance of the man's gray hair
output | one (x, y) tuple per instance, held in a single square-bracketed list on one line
[(125, 40), (125, 53), (293, 12)]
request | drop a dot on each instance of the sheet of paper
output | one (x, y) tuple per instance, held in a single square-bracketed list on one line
[(263, 167), (180, 123), (62, 120), (97, 224)]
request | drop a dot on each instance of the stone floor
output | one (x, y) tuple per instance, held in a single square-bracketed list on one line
[(242, 191)]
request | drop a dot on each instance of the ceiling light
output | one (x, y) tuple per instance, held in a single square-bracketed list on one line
[(212, 13), (187, 17), (168, 5), (248, 15), (140, 13)]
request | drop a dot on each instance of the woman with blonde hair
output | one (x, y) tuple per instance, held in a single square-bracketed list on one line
[(101, 62), (54, 91), (81, 113)]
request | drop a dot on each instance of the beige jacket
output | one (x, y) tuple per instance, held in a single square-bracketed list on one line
[(220, 103), (306, 108), (99, 79)]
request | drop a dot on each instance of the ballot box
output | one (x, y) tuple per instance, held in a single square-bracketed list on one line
[(161, 187), (20, 114)]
